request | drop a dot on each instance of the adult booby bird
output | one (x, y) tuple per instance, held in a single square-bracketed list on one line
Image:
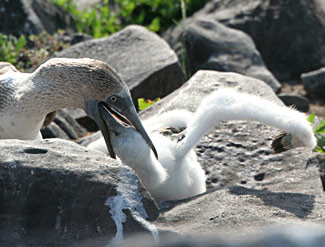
[(177, 174), (27, 98)]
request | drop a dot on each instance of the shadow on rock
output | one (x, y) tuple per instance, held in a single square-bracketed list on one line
[(300, 205)]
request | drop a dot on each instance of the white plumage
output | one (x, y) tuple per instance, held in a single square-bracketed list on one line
[(177, 174)]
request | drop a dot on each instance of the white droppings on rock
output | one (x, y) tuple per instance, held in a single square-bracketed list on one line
[(128, 197)]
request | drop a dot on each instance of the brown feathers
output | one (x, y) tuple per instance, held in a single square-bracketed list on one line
[(282, 142)]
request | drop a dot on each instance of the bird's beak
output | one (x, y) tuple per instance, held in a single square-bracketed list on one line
[(125, 111), (92, 109)]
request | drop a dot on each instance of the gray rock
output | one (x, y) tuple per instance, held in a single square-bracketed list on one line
[(289, 34), (297, 101), (314, 82), (32, 17), (82, 118), (287, 194), (75, 38), (64, 126), (203, 83), (319, 162), (211, 45), (284, 235), (70, 125), (144, 60), (54, 131), (57, 193)]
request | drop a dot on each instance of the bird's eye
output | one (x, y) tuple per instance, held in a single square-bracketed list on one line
[(114, 98)]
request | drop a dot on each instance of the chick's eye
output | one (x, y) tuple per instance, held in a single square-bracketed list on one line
[(114, 98)]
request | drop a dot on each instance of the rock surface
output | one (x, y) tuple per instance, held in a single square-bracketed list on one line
[(213, 46), (32, 17), (64, 126), (289, 34), (56, 193), (285, 235), (144, 60), (314, 82), (203, 83), (297, 101)]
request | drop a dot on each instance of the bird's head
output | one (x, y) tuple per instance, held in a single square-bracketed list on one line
[(112, 95), (90, 84)]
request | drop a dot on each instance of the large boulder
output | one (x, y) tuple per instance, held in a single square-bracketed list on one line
[(32, 17), (144, 60), (207, 44), (57, 193), (288, 33)]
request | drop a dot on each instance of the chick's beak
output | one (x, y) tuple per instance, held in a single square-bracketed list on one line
[(124, 108), (92, 109)]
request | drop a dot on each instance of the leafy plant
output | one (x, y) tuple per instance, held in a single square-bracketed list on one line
[(42, 46), (156, 15), (10, 48), (97, 22), (145, 103), (319, 132)]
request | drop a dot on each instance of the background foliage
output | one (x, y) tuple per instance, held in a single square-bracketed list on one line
[(319, 132), (156, 15), (100, 21)]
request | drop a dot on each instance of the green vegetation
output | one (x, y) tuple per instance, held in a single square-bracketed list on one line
[(23, 56), (10, 48), (101, 20), (319, 132), (156, 15), (97, 22), (43, 46), (145, 103)]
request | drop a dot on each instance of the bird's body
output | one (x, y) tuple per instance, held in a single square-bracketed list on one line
[(19, 118), (177, 174), (27, 98)]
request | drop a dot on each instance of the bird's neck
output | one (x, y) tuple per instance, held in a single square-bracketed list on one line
[(48, 92), (135, 153), (149, 170), (226, 104)]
